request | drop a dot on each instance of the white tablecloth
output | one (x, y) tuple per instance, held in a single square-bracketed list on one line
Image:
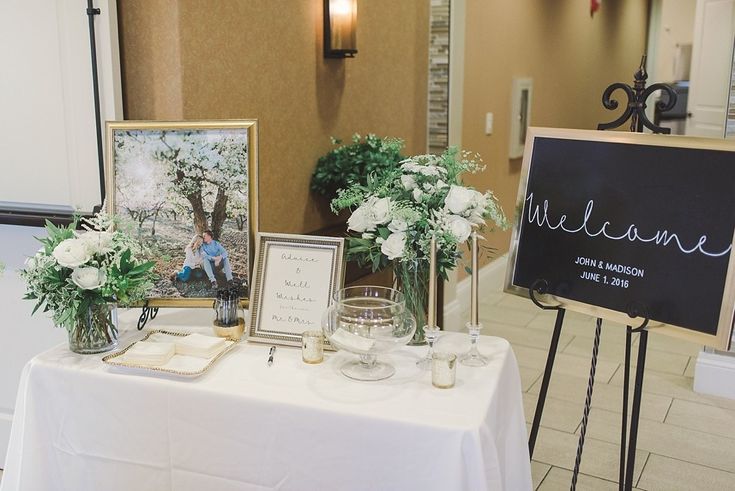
[(81, 425)]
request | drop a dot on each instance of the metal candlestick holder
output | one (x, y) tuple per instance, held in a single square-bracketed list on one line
[(430, 334), (473, 358)]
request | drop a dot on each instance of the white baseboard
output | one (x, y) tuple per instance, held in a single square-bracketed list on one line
[(454, 317), (714, 374), (6, 421)]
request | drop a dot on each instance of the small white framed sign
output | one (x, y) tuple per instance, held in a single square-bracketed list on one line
[(295, 279)]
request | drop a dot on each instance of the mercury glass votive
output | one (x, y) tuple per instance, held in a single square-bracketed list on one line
[(443, 370), (312, 347)]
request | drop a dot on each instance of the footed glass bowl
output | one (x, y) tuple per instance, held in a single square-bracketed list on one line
[(368, 321)]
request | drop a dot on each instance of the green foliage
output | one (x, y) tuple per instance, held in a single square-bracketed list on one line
[(351, 164)]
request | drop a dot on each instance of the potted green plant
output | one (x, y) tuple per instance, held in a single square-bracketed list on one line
[(348, 164)]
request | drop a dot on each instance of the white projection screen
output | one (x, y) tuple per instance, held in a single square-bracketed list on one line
[(48, 146)]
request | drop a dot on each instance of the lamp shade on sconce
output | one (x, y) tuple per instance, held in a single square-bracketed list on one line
[(340, 28)]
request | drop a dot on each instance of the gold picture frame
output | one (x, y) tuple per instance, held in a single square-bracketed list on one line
[(690, 154), (295, 278), (169, 182)]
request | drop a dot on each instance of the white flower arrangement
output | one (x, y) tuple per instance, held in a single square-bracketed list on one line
[(75, 270), (395, 215), (397, 212)]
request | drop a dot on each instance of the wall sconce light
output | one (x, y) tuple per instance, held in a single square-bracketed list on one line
[(340, 28)]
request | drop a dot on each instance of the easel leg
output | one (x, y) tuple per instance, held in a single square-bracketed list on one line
[(636, 409), (545, 381), (624, 423), (587, 404)]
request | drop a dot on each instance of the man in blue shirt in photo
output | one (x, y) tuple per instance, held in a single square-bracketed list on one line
[(213, 254)]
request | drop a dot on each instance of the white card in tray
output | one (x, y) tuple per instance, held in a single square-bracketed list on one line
[(187, 366), (150, 353), (198, 345)]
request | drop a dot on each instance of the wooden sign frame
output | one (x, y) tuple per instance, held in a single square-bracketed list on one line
[(723, 337)]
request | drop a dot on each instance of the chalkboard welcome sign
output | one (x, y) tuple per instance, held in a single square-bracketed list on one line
[(610, 220)]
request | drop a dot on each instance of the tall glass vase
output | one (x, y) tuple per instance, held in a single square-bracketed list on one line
[(413, 282), (95, 330)]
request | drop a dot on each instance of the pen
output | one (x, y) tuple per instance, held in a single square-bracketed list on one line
[(271, 352)]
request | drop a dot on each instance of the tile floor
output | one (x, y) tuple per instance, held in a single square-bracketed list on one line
[(686, 441)]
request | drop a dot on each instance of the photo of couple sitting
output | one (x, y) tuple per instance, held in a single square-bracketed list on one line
[(205, 252)]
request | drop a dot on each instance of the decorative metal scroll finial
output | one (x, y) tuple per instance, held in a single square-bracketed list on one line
[(637, 95), (148, 313)]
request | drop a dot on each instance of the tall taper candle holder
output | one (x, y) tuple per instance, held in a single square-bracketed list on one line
[(473, 358), (430, 334), (431, 330)]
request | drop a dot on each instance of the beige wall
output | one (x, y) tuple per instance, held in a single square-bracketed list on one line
[(263, 59), (571, 57)]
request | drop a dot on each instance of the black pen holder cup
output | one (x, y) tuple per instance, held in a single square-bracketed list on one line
[(225, 308)]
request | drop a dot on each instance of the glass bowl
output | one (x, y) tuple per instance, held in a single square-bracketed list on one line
[(368, 321)]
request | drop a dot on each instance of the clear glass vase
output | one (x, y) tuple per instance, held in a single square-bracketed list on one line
[(95, 330), (413, 282)]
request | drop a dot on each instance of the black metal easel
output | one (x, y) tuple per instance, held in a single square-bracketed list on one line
[(635, 111), (541, 286), (628, 441), (148, 313), (91, 12)]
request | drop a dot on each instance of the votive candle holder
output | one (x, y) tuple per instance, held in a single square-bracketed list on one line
[(312, 347), (443, 370)]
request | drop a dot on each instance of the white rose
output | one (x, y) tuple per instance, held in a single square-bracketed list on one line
[(71, 253), (408, 182), (89, 278), (441, 184), (417, 194), (428, 170), (459, 199), (381, 209), (97, 242), (375, 211), (459, 227), (409, 166), (394, 245), (398, 225), (360, 221)]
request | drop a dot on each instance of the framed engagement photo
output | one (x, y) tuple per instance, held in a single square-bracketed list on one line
[(296, 277), (188, 191)]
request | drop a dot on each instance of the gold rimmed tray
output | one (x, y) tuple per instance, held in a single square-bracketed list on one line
[(184, 366)]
